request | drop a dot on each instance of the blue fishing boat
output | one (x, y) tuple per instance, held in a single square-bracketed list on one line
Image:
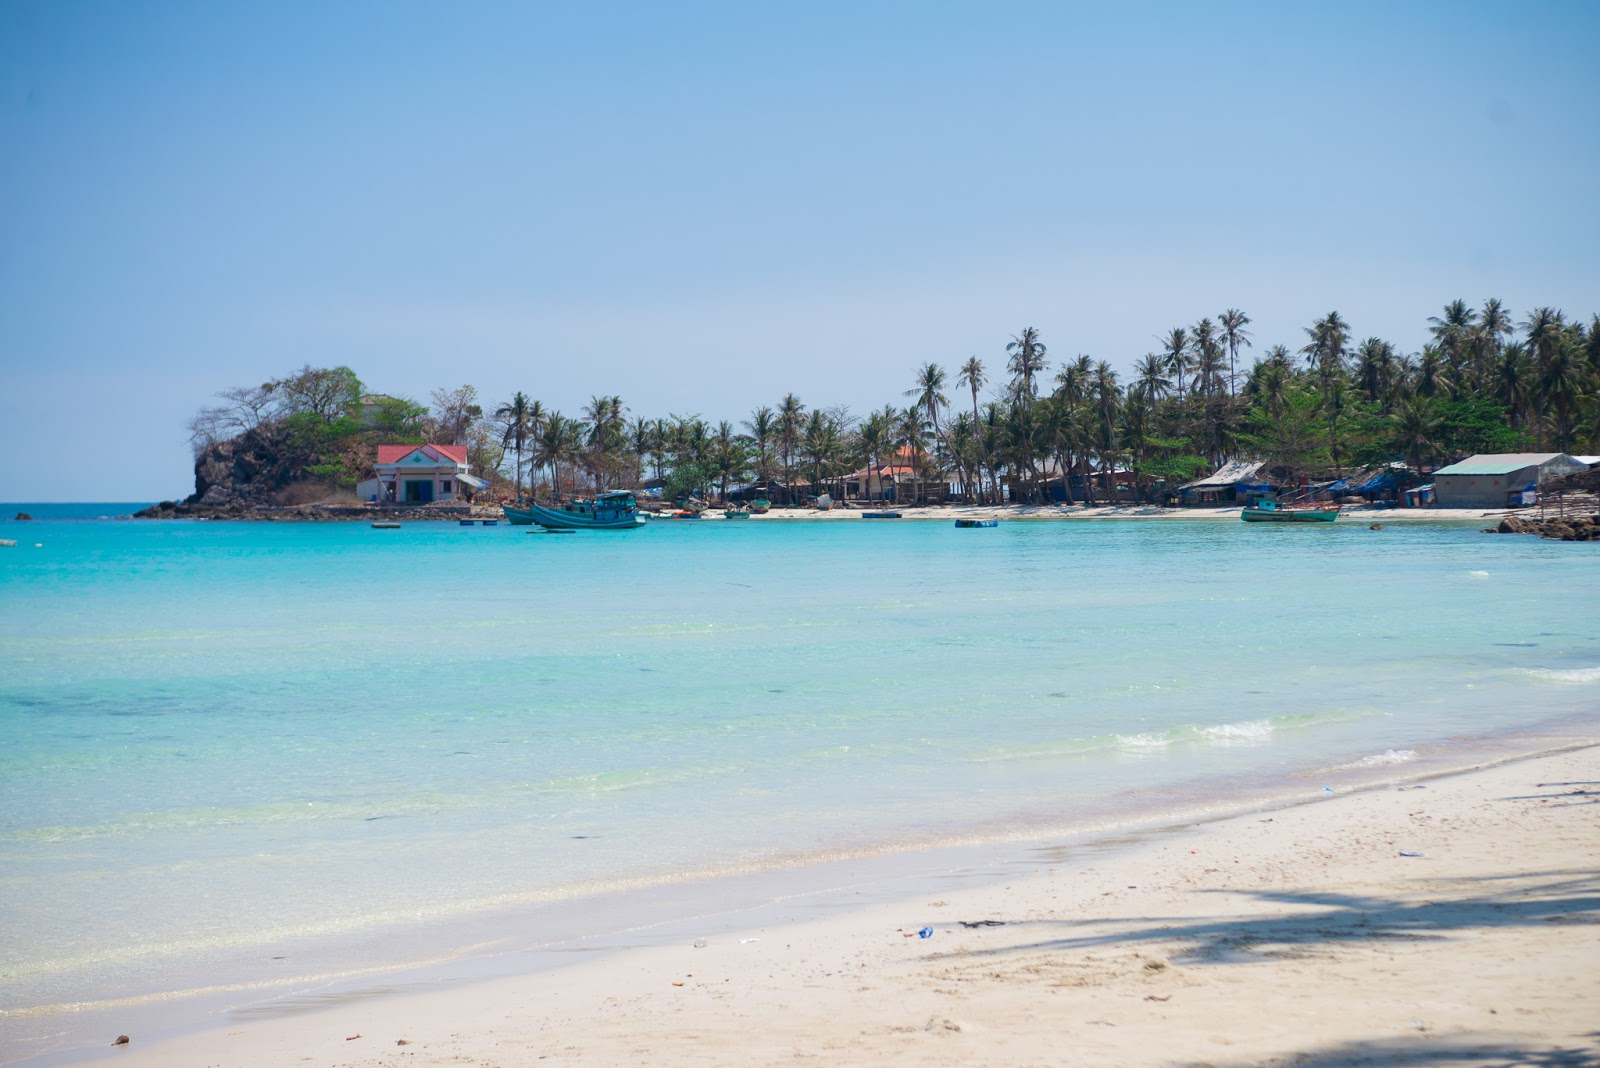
[(1267, 510), (977, 523), (617, 510), (880, 515)]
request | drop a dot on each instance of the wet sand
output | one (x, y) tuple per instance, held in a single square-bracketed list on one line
[(1303, 935)]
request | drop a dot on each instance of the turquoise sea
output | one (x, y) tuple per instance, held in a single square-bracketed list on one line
[(240, 757)]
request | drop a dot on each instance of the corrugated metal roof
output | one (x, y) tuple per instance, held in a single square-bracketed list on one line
[(1502, 463), (1227, 475)]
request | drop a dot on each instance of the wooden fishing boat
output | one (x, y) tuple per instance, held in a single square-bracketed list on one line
[(760, 506), (1267, 511), (617, 510), (977, 523), (736, 513)]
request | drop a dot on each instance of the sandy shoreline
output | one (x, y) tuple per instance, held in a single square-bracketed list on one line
[(1299, 935), (1363, 514)]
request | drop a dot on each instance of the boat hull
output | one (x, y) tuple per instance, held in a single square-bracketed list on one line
[(555, 519), (1290, 515)]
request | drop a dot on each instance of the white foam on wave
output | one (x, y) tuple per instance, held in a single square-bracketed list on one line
[(1378, 760), (1566, 675), (1252, 730), (1478, 574), (1144, 741)]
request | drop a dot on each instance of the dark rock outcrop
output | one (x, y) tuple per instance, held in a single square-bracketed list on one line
[(248, 469), (1566, 528), (23, 516)]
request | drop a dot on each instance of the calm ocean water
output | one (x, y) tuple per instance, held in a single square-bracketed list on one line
[(221, 739)]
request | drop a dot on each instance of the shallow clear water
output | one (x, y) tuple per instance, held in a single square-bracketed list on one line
[(216, 738)]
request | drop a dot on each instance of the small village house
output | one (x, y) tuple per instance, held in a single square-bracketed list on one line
[(1500, 480), (420, 474), (1231, 483)]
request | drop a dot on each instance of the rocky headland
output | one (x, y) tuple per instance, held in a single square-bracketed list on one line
[(262, 474)]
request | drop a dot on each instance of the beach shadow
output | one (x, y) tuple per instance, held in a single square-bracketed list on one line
[(1422, 1050), (1324, 920)]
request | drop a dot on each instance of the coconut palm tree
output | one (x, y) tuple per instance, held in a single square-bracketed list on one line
[(1234, 334), (1207, 357), (789, 430), (1027, 360), (1326, 350), (1153, 378), (560, 442), (1432, 376), (1107, 401), (910, 433), (762, 427), (516, 428), (972, 376), (1417, 425), (929, 394), (730, 457), (1175, 350)]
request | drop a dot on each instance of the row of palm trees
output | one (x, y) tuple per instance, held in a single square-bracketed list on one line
[(1481, 383)]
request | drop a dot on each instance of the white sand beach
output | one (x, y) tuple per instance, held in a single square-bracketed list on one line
[(1452, 921)]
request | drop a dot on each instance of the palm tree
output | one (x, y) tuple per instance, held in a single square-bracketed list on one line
[(516, 428), (1270, 381), (1107, 400), (789, 413), (1234, 334), (1417, 425), (1027, 359), (1374, 362), (1544, 327), (729, 457), (1176, 353), (1153, 378), (929, 394), (1432, 374), (873, 438), (909, 434), (762, 427), (1325, 352), (1208, 357), (605, 419), (560, 442), (972, 376)]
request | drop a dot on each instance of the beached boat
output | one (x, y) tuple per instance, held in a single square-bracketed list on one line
[(760, 506), (736, 513), (880, 515), (617, 510), (977, 523), (1265, 511)]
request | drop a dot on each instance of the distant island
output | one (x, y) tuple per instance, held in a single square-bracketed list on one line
[(1025, 428)]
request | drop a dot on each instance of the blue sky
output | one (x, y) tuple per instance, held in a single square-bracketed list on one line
[(701, 207)]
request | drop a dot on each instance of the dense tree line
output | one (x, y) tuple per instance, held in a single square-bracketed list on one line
[(1484, 382)]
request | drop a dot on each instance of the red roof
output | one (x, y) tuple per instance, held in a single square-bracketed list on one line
[(388, 454)]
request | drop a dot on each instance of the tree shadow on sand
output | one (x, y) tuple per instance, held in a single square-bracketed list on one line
[(1461, 1050), (1325, 919)]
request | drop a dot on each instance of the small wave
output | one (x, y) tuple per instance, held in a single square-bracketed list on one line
[(1566, 675), (1388, 756), (1144, 741), (1478, 574), (1254, 730)]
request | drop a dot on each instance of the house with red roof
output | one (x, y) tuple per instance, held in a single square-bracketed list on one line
[(420, 474)]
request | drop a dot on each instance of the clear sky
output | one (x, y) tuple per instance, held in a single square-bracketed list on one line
[(701, 207)]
